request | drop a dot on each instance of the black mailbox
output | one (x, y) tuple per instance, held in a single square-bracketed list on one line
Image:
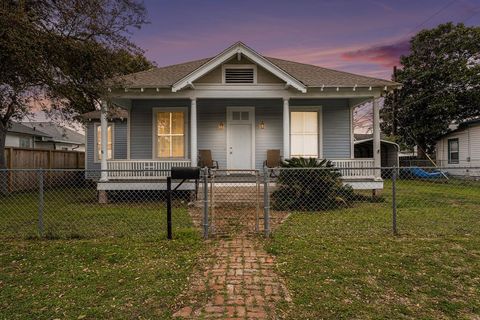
[(182, 173)]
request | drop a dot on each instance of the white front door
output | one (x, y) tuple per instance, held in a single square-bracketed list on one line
[(240, 138)]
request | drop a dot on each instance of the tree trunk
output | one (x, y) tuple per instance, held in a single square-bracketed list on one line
[(3, 161), (421, 152), (3, 138)]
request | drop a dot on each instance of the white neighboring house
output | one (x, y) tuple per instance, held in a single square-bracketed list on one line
[(44, 135), (459, 150), (22, 136)]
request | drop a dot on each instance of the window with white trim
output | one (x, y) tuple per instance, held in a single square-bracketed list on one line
[(98, 144), (304, 134), (171, 134), (453, 151)]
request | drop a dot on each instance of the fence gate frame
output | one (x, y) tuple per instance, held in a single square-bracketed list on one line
[(212, 206)]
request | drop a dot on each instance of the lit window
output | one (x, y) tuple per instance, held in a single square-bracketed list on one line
[(109, 142), (453, 151), (171, 134), (304, 134)]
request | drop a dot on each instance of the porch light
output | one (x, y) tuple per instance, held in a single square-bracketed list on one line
[(221, 125), (262, 125)]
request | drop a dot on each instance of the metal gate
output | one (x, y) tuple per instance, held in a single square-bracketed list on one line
[(235, 202)]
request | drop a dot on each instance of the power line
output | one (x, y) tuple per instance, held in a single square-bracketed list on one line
[(432, 16)]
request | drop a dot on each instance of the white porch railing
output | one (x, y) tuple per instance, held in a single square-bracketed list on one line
[(142, 169), (354, 168), (155, 169)]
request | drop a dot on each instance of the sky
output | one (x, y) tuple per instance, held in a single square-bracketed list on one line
[(360, 36)]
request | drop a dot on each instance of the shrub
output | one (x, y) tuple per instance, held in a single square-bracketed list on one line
[(308, 184)]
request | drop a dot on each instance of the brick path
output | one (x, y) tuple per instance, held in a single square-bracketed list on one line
[(238, 282)]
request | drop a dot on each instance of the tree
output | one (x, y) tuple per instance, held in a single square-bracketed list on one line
[(441, 82), (62, 51)]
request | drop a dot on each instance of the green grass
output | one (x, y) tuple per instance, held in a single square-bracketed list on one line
[(75, 213), (344, 264), (95, 261)]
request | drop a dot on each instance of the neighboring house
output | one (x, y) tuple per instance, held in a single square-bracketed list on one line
[(238, 104), (364, 149), (458, 151), (57, 137), (22, 136)]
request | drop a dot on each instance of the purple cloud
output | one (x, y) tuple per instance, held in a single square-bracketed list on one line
[(385, 55)]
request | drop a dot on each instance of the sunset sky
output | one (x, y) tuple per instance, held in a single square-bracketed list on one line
[(360, 36)]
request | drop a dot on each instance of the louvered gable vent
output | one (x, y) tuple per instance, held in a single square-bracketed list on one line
[(239, 75)]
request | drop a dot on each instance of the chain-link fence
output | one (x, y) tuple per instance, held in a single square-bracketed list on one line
[(68, 204), (65, 204)]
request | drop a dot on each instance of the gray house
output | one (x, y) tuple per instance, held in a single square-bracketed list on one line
[(238, 104)]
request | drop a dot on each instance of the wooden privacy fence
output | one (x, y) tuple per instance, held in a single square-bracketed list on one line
[(24, 158)]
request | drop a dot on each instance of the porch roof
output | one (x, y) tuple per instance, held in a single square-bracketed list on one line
[(307, 74)]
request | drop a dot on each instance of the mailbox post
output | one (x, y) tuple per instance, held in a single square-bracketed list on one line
[(178, 173)]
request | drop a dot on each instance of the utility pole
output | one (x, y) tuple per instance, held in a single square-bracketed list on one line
[(394, 104)]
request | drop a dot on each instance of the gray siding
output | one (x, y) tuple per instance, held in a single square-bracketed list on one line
[(213, 111), (141, 125), (209, 114), (272, 136), (120, 140), (336, 132)]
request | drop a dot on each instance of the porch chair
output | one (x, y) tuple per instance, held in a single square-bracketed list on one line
[(205, 159), (274, 160)]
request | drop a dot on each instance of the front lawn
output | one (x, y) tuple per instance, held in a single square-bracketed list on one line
[(75, 213), (344, 264), (95, 261), (94, 279)]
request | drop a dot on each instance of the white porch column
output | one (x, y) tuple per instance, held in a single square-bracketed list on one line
[(377, 155), (104, 140), (193, 132), (286, 129)]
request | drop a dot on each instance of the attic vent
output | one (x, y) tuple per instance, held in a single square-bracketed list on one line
[(239, 75)]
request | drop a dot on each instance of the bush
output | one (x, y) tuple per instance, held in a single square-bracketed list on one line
[(307, 184)]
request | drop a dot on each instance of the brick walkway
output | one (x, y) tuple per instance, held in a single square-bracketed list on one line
[(238, 282)]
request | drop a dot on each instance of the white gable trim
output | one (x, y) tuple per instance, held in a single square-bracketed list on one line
[(238, 48)]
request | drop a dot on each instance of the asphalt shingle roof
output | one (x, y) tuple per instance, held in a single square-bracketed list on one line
[(16, 127), (309, 75), (56, 132)]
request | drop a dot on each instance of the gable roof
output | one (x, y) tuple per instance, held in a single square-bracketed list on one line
[(239, 49), (57, 133), (299, 75), (462, 126)]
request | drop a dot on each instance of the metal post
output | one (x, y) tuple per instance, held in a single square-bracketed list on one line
[(169, 208), (266, 203), (205, 203), (41, 203), (394, 201)]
